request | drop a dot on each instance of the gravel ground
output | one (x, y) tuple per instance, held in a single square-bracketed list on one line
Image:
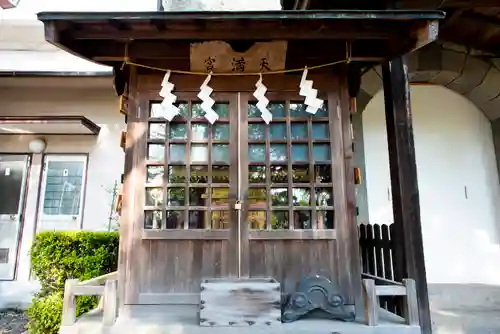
[(12, 322)]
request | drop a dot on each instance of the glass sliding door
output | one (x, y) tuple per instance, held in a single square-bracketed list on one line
[(13, 175)]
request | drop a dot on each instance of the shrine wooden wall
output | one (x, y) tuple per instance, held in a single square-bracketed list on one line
[(166, 267), (173, 270)]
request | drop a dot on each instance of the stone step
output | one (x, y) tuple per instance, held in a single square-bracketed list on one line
[(183, 319)]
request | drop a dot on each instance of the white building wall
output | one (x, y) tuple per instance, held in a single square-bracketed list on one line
[(459, 196), (105, 161)]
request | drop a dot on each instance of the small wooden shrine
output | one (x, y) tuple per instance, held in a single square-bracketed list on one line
[(239, 179)]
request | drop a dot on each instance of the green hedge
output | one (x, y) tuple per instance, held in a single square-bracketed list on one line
[(58, 256)]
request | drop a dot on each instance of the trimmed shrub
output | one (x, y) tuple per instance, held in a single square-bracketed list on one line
[(58, 256)]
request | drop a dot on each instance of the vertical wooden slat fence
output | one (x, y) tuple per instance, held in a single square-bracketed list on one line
[(376, 247)]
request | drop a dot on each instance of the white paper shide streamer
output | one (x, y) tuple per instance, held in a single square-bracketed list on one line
[(207, 102), (311, 94), (170, 110), (262, 101)]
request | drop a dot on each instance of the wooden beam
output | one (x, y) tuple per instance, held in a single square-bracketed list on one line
[(371, 305), (143, 50), (86, 290), (100, 279), (110, 304), (185, 234), (340, 30), (467, 3), (409, 253), (481, 18), (451, 18), (69, 303), (411, 303), (390, 290), (118, 25)]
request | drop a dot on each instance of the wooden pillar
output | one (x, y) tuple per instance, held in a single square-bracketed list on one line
[(409, 253), (349, 264), (132, 214)]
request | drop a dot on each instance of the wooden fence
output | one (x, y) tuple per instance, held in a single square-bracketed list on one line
[(104, 286), (377, 247)]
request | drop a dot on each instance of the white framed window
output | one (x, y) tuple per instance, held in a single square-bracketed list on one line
[(63, 189)]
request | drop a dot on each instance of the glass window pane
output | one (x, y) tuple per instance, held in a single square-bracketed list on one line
[(298, 110), (220, 153), (177, 131), (320, 131), (299, 130), (321, 152), (326, 220), (155, 174), (176, 174), (198, 174), (324, 196), (183, 109), (220, 131), (199, 153), (279, 196), (257, 197), (222, 109), (300, 174), (323, 111), (220, 174), (196, 111), (301, 196), (198, 196), (177, 153), (152, 219), (253, 111), (12, 168), (257, 152), (277, 109), (278, 152), (176, 196), (157, 131), (300, 152), (278, 131), (220, 196), (256, 131), (156, 152), (257, 220), (256, 174), (199, 131), (198, 220), (302, 220), (279, 220), (154, 196), (175, 220), (323, 173), (279, 174), (220, 220), (63, 188), (158, 111)]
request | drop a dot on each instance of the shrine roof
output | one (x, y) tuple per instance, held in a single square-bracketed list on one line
[(374, 34)]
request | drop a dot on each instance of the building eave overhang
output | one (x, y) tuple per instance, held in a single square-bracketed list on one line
[(101, 36)]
